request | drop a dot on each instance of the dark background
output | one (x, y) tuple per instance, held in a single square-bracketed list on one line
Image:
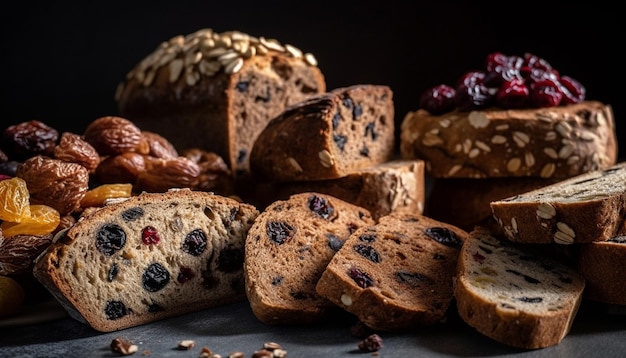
[(60, 64)]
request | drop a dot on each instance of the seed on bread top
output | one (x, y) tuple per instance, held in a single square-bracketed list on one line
[(205, 53)]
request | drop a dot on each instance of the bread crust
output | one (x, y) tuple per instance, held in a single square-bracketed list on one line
[(552, 142), (106, 289), (602, 266)]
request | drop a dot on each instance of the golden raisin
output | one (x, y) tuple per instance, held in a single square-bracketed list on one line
[(43, 220), (14, 199), (98, 195)]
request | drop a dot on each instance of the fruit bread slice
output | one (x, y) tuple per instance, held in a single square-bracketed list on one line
[(152, 256), (288, 248), (602, 266), (327, 136), (395, 274), (217, 90), (512, 294), (552, 142), (585, 208)]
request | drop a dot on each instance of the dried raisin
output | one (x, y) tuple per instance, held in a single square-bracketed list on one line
[(195, 242), (334, 242), (362, 279), (413, 279), (320, 206), (368, 252), (279, 232), (444, 236), (115, 310), (110, 239), (155, 277), (132, 214)]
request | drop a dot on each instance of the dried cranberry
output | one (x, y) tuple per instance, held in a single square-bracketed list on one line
[(230, 260), (573, 92), (545, 95), (279, 232), (155, 277), (438, 100), (472, 93), (320, 206), (501, 73), (368, 252), (444, 236), (150, 235), (361, 278), (513, 94), (115, 310), (110, 239), (195, 242), (185, 274)]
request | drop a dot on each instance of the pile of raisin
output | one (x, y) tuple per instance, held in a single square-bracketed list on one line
[(508, 82)]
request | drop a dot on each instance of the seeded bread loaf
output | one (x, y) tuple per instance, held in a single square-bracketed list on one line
[(288, 248), (465, 202), (395, 274), (327, 136), (149, 257), (585, 208), (602, 266), (552, 142), (513, 295), (381, 189), (217, 91)]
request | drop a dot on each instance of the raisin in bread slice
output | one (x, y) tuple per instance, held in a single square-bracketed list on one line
[(152, 256), (381, 189), (511, 294), (327, 136), (217, 91), (584, 208), (288, 248), (397, 273), (602, 266), (553, 142)]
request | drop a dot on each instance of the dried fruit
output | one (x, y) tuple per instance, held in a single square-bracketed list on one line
[(41, 221), (18, 253), (155, 277), (320, 206), (195, 242), (122, 168), (110, 239), (14, 200), (28, 139), (55, 183), (115, 310), (361, 278), (98, 195), (279, 232), (159, 146), (113, 135), (74, 149), (368, 252), (160, 175), (150, 235), (444, 236)]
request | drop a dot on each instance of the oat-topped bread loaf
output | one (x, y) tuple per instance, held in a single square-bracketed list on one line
[(327, 136), (381, 189), (217, 91), (395, 274), (149, 257), (514, 295), (585, 208), (551, 142), (288, 248), (602, 265)]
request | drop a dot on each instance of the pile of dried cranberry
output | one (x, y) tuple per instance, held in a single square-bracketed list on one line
[(507, 82)]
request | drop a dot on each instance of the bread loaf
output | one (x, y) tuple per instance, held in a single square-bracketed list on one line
[(288, 248), (551, 142), (381, 189), (149, 257), (327, 136), (217, 91), (581, 209), (513, 295), (602, 266), (395, 274)]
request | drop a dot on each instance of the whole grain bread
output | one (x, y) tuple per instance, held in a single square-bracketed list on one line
[(585, 208), (395, 274), (327, 136), (602, 265), (381, 189), (152, 256), (514, 295), (552, 142), (217, 91), (288, 248)]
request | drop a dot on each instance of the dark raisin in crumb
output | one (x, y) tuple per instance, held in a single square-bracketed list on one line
[(526, 277), (368, 252), (368, 237), (340, 140), (230, 260), (413, 279), (321, 206), (242, 86), (531, 299), (444, 236), (334, 242), (365, 152), (241, 156), (371, 343), (155, 277), (369, 130), (361, 278), (277, 281), (279, 232), (185, 274), (195, 242), (299, 295), (357, 111), (347, 102), (132, 214), (113, 271), (110, 239), (209, 281), (155, 307), (336, 119), (115, 310)]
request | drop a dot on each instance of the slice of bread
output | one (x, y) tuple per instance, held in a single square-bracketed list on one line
[(288, 248), (395, 274), (513, 295), (152, 256)]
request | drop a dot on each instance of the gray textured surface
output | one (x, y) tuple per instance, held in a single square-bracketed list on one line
[(597, 332)]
